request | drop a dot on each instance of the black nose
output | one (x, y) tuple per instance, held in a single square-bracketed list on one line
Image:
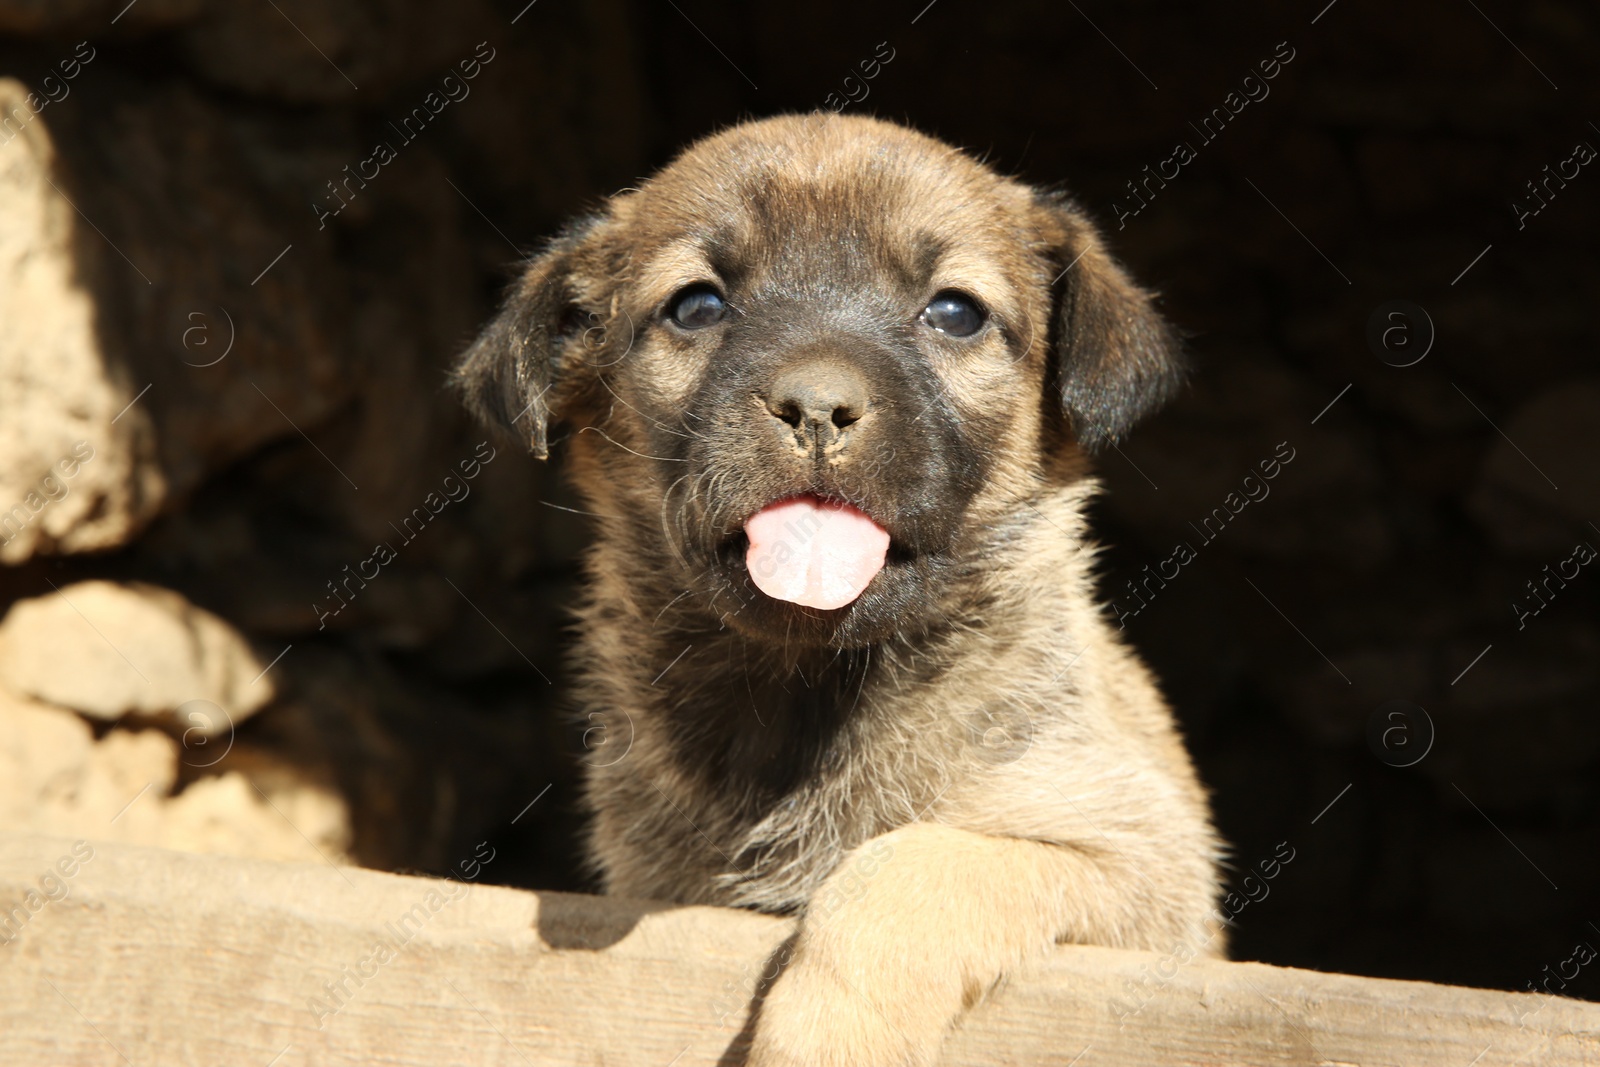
[(820, 395)]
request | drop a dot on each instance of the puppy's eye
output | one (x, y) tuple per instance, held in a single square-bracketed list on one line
[(696, 307), (956, 314)]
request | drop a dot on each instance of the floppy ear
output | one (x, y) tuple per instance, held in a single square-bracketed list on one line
[(1116, 359), (510, 376)]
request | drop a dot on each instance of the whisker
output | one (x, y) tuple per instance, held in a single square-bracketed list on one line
[(659, 424), (625, 448), (666, 522), (671, 602), (575, 511)]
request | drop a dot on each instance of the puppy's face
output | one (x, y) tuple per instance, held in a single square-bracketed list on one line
[(812, 363)]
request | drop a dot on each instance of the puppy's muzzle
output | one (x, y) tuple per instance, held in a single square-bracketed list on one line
[(814, 404)]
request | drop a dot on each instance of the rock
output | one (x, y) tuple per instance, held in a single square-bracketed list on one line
[(1552, 435), (303, 51), (74, 476), (83, 16), (421, 771), (203, 314), (203, 203), (42, 755), (56, 778), (1525, 734), (1207, 461), (231, 815), (1339, 716), (109, 649)]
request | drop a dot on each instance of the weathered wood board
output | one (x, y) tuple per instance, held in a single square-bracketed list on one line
[(166, 958)]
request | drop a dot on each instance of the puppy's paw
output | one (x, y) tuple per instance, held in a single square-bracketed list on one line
[(814, 1016)]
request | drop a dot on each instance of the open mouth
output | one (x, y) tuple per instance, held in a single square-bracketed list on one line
[(815, 552)]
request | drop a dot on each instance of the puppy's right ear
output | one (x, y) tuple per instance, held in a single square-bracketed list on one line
[(511, 375)]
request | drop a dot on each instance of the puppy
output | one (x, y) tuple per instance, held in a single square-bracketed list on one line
[(829, 387)]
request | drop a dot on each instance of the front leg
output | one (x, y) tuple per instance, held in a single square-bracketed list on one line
[(916, 924)]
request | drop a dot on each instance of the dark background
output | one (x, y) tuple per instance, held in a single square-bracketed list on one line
[(1387, 557)]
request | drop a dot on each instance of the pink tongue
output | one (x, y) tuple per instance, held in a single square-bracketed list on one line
[(811, 552)]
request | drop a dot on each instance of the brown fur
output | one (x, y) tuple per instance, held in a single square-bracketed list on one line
[(967, 764)]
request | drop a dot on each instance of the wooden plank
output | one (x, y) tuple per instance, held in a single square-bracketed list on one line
[(166, 958)]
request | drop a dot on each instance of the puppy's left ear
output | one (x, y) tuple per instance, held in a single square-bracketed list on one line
[(1115, 358), (513, 375)]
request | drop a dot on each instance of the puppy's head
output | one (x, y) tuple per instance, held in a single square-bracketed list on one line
[(809, 366)]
